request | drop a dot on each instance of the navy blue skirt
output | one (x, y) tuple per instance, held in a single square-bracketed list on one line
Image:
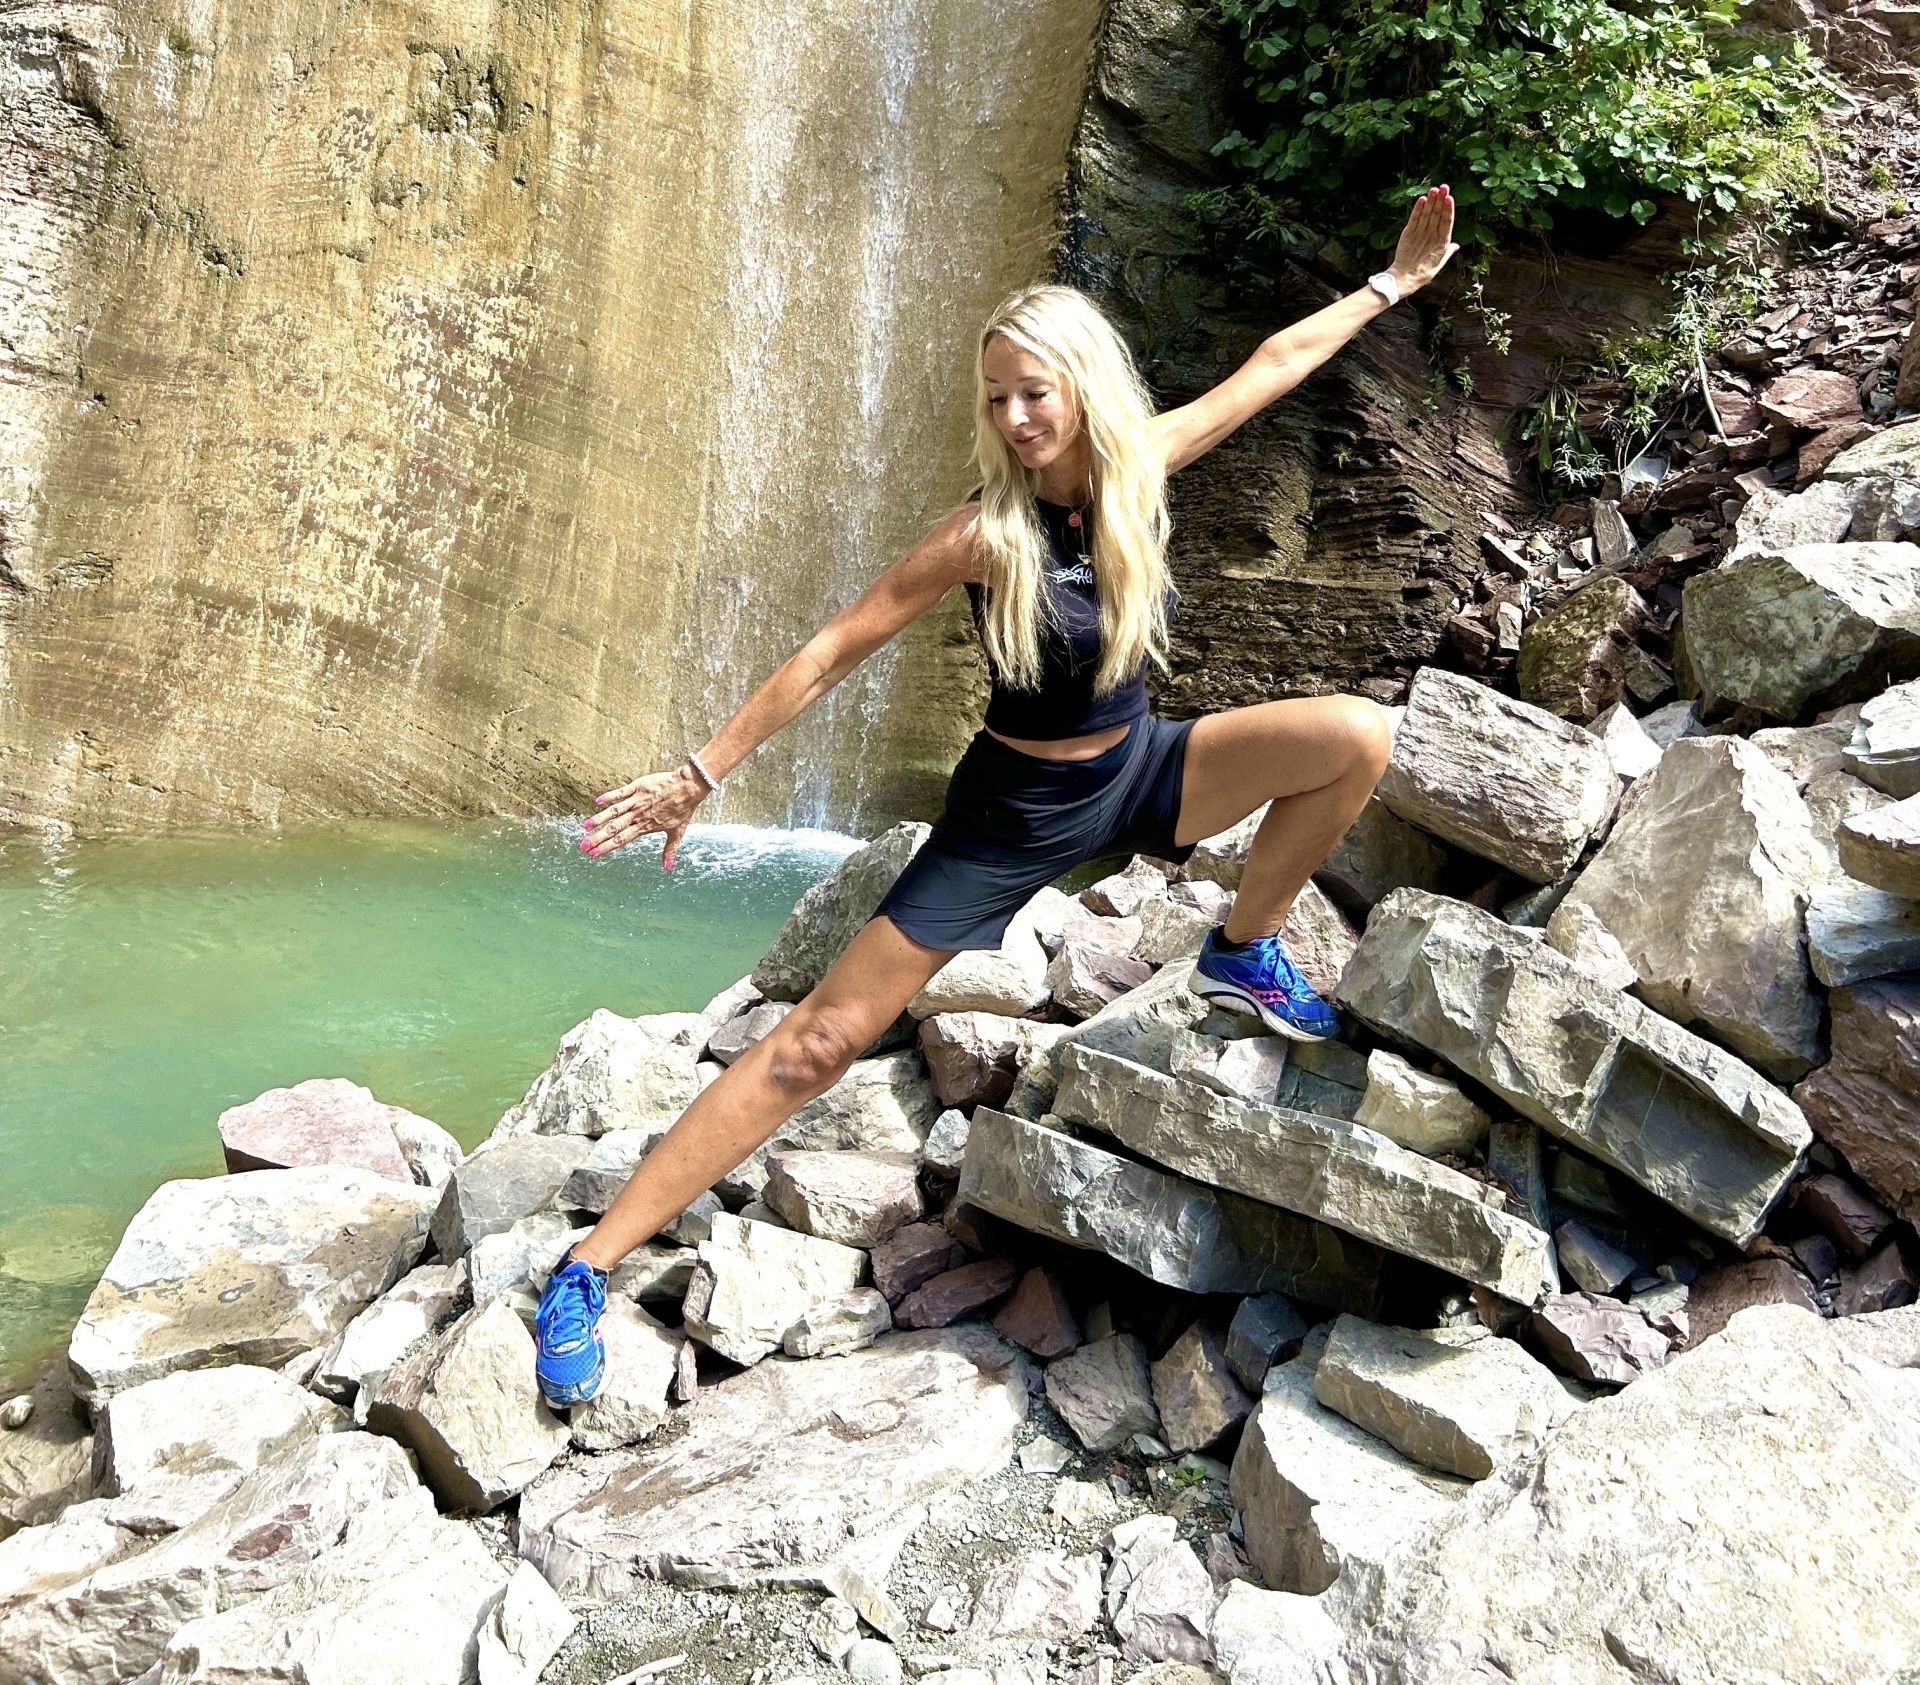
[(1014, 822)]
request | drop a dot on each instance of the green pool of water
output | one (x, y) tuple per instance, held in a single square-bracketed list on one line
[(146, 984)]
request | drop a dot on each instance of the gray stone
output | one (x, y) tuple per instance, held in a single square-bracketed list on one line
[(1274, 1637), (1887, 507), (643, 1360), (1599, 1341), (1865, 1102), (1585, 1563), (1166, 1612), (1855, 933), (1265, 1330), (730, 1502), (873, 1661), (1104, 1392), (1574, 929), (1884, 750), (525, 1629), (1318, 937), (499, 1185), (467, 1406), (1806, 627), (1882, 848), (1010, 979), (1514, 1156), (1319, 1167), (1144, 1024), (46, 1455), (1195, 1391), (827, 916), (1666, 726), (1084, 977), (1593, 1264), (880, 1105), (1805, 753), (255, 1268), (1222, 857), (1633, 753), (734, 1037), (1832, 799), (857, 1199), (1038, 1595), (1573, 657), (1322, 1500), (1893, 451), (946, 1147), (416, 1308), (613, 1073), (1252, 1067), (1425, 1114), (1169, 1229), (1175, 925), (1683, 1118), (1498, 777), (1463, 1408), (755, 1282), (1075, 1504), (596, 1180), (846, 1324), (1379, 854), (1122, 894), (1772, 521), (649, 1272), (1702, 884)]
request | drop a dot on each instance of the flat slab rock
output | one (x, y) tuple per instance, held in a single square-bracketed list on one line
[(1323, 1168), (255, 1268), (1685, 1119), (1170, 1229), (1882, 847), (781, 1466)]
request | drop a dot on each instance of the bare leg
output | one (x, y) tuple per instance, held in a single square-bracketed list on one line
[(864, 990), (1316, 759)]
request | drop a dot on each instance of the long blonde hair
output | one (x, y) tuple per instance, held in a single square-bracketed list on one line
[(1067, 332)]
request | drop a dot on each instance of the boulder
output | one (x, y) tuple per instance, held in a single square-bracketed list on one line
[(467, 1406), (1805, 753), (1084, 976), (613, 1073), (1462, 1407), (1265, 1330), (331, 1121), (1038, 1318), (418, 1306), (1165, 1614), (781, 1468), (1122, 894), (1425, 1114), (880, 1105), (1849, 1218), (1856, 933), (1319, 1167), (1884, 750), (1321, 1499), (1703, 884), (1832, 799), (255, 1268), (1173, 926), (1596, 1340), (643, 1360), (1773, 521), (1104, 1392), (755, 1282), (1171, 1230), (1038, 1595), (1379, 854), (857, 1199), (846, 1324), (503, 1182), (1265, 1637), (1195, 1391), (524, 1630), (913, 1255), (1498, 777), (1573, 657), (1887, 506), (1011, 978), (973, 1055), (1318, 937), (827, 917), (1631, 751), (953, 1294), (1585, 1562), (1892, 451), (1686, 1120), (1882, 848), (946, 1148), (1865, 1102), (1222, 857), (736, 1035), (1809, 626)]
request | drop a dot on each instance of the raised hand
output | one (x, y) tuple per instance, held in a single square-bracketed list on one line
[(657, 801), (1426, 242)]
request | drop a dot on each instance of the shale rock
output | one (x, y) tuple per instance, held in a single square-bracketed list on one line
[(973, 1055), (857, 1199), (1590, 1261), (1265, 1330), (913, 1255), (1498, 777), (1195, 1392), (1855, 933), (501, 1184), (468, 1408), (1689, 1122), (1573, 657), (1322, 1500), (1042, 1595), (613, 1073), (1379, 854), (1169, 1229), (1596, 1340), (1866, 1101), (1882, 848), (947, 1297), (1319, 1167), (1809, 627), (1884, 750), (255, 1268), (1884, 1282), (828, 915), (1774, 521), (755, 1282), (1425, 1114), (780, 1467), (1702, 884), (1104, 1392), (330, 1121), (846, 1324), (642, 1361), (1038, 1318)]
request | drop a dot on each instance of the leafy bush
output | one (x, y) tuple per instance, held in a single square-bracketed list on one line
[(1528, 110)]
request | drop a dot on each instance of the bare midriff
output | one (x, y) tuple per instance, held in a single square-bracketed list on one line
[(1067, 748)]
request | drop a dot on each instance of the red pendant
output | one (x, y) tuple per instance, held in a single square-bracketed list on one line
[(1073, 520)]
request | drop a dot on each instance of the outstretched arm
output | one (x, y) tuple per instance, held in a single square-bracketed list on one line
[(665, 801), (1286, 359)]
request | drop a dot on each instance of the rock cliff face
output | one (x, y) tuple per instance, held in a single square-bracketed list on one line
[(457, 406)]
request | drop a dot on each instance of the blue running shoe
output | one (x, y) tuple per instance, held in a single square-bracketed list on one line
[(1261, 980), (571, 1359)]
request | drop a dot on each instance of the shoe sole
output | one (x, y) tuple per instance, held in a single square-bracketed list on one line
[(1237, 1000)]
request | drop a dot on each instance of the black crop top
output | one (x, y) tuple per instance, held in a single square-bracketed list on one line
[(1064, 704)]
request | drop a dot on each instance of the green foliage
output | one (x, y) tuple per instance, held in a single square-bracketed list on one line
[(179, 42), (1528, 110)]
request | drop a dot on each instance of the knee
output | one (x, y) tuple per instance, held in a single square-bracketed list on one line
[(810, 1052), (1369, 735)]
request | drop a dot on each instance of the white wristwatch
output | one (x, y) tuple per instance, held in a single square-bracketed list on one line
[(1386, 286)]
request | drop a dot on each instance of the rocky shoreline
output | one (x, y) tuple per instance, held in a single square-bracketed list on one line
[(1558, 1323)]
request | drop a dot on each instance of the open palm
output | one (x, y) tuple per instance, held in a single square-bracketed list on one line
[(1427, 241)]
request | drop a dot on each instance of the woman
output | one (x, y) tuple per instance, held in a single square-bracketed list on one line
[(1063, 554)]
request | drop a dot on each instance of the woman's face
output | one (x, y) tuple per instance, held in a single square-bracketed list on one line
[(1029, 403)]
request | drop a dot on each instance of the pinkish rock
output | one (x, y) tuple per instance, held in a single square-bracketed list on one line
[(1195, 1392), (1600, 1341), (857, 1199), (947, 1298), (1847, 1217), (1038, 1317), (327, 1120), (912, 1256), (1811, 398), (1718, 1294), (1884, 1282), (1865, 1102)]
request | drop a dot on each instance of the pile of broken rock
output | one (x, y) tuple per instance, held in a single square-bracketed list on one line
[(1548, 1326)]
